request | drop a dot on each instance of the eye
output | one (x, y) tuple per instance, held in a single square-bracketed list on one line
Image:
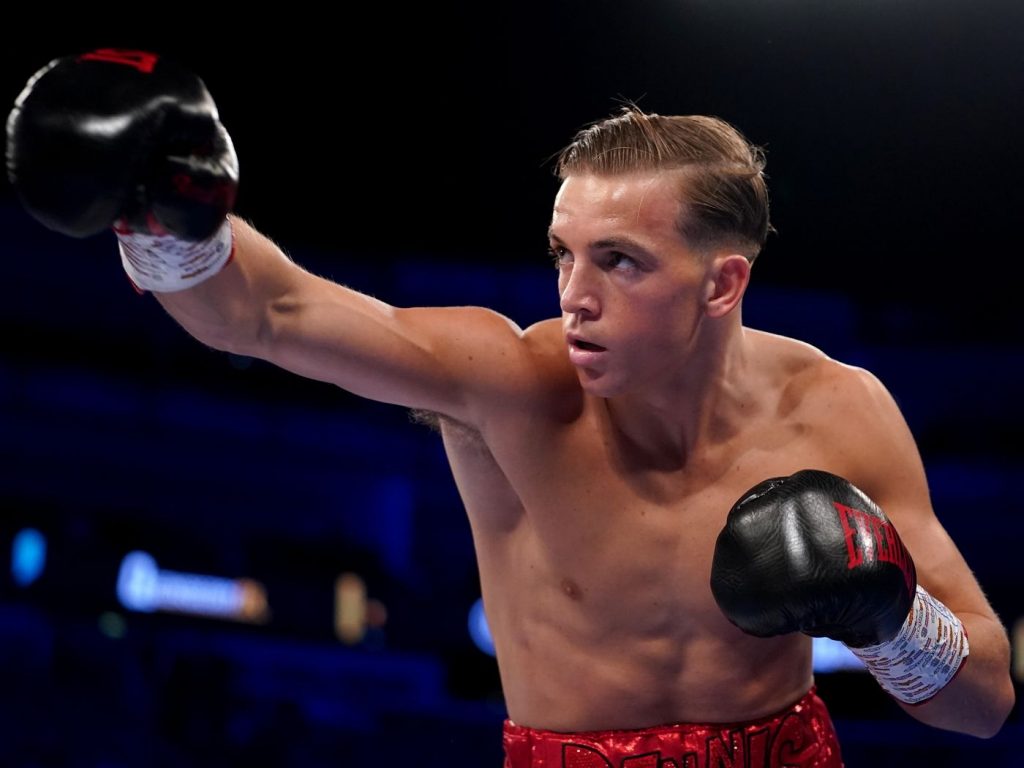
[(618, 260), (560, 255)]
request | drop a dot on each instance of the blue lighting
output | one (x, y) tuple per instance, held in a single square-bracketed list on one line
[(478, 629), (137, 582), (833, 656), (28, 556), (145, 587)]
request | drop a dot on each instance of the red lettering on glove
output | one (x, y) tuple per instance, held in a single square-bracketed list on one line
[(869, 539), (141, 60)]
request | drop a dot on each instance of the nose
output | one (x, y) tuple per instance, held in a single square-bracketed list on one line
[(579, 294)]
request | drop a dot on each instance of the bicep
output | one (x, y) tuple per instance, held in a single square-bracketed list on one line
[(442, 359)]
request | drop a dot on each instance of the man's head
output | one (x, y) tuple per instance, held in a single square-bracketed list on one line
[(653, 230), (722, 187)]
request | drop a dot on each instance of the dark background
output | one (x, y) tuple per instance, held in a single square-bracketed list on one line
[(406, 151)]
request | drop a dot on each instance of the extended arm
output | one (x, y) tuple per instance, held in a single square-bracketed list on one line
[(264, 305), (128, 140)]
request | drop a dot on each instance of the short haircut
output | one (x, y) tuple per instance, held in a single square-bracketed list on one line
[(723, 188)]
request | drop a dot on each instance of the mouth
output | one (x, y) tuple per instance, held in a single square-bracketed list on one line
[(585, 354), (586, 345)]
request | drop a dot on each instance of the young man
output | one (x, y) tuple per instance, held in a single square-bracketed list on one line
[(642, 615)]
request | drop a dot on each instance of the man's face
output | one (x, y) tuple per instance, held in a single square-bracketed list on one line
[(632, 291)]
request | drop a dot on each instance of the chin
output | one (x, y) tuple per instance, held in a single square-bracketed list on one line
[(599, 384)]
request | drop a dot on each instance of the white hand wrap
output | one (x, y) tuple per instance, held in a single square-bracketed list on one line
[(924, 656), (165, 263)]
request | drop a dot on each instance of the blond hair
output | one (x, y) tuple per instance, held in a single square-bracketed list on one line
[(723, 183)]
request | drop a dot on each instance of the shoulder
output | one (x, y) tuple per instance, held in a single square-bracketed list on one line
[(546, 341), (516, 372), (542, 339), (539, 349), (488, 341), (555, 388), (838, 391), (812, 381), (855, 423)]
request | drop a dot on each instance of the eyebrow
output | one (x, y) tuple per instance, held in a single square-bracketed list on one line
[(607, 243)]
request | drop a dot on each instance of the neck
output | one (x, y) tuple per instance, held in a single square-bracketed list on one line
[(701, 402)]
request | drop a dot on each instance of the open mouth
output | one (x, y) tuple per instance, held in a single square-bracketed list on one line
[(580, 344)]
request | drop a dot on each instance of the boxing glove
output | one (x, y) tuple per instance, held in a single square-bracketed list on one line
[(131, 140), (813, 553)]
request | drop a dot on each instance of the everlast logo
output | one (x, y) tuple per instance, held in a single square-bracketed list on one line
[(870, 540), (782, 743)]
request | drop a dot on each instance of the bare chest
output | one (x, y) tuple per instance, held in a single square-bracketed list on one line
[(589, 479), (576, 514), (603, 530)]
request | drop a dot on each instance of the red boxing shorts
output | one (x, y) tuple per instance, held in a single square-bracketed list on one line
[(801, 735)]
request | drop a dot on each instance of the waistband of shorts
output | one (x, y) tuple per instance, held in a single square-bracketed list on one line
[(808, 699), (800, 734)]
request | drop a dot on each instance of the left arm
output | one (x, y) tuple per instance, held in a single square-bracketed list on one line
[(885, 463)]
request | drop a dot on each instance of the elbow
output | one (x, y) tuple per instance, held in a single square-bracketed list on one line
[(985, 713), (995, 715), (1004, 695), (994, 710)]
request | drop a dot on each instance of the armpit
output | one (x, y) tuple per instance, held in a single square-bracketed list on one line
[(455, 433), (426, 419)]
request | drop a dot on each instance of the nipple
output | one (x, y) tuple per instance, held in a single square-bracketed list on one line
[(572, 589)]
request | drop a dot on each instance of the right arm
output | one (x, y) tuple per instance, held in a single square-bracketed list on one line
[(142, 139), (453, 361)]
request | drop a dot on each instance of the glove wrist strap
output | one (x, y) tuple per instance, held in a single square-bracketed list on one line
[(925, 654), (165, 263)]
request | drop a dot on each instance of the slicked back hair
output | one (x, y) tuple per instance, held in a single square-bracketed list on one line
[(723, 189)]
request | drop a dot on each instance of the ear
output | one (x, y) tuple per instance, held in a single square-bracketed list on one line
[(727, 281)]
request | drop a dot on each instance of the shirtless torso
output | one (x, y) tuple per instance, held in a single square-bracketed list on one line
[(599, 454), (594, 561)]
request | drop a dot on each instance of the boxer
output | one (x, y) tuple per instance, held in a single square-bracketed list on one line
[(666, 504)]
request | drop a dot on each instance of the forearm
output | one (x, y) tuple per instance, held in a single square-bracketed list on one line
[(263, 305), (230, 310), (979, 699)]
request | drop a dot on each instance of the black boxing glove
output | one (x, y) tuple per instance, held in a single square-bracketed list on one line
[(131, 140), (812, 553)]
